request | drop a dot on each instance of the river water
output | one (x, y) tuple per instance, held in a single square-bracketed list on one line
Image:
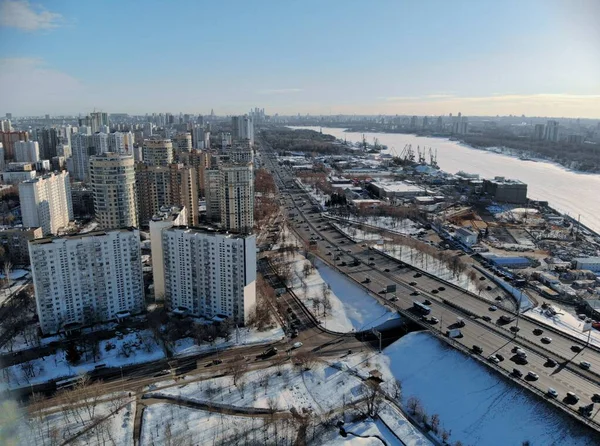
[(577, 194)]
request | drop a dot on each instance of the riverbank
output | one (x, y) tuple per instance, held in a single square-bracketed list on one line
[(569, 192)]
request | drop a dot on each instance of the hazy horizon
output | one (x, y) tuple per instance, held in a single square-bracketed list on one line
[(534, 57)]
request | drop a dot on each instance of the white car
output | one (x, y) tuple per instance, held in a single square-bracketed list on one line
[(494, 359), (297, 344), (552, 393), (493, 308)]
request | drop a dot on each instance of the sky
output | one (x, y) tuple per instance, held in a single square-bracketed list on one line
[(429, 57)]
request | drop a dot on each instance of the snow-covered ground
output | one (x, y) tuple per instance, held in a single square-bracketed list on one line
[(357, 234), (478, 406), (319, 390), (169, 424), (59, 424), (243, 336), (352, 308), (133, 348), (564, 321), (401, 226)]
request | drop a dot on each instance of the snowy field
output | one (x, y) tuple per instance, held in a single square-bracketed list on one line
[(59, 424), (169, 424), (318, 390), (352, 308), (478, 406), (357, 234), (565, 322)]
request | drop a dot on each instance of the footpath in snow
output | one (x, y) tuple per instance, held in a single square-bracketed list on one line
[(477, 405)]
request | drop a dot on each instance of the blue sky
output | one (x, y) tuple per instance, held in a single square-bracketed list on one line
[(334, 56)]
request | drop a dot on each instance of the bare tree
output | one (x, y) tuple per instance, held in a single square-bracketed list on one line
[(237, 368), (435, 422), (306, 359), (413, 404), (7, 268), (374, 398)]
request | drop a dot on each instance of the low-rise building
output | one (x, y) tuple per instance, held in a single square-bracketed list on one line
[(395, 189), (505, 190), (466, 236), (589, 263)]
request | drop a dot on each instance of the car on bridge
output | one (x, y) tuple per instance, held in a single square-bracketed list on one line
[(585, 365), (546, 340), (552, 393)]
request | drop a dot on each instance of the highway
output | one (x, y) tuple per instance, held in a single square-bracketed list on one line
[(492, 337)]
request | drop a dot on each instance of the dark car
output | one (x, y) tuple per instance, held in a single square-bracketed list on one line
[(387, 270), (486, 318), (367, 280), (427, 302), (417, 275), (441, 288), (412, 283), (576, 348), (537, 331), (371, 258), (517, 373), (371, 263), (477, 349), (434, 291), (500, 357), (550, 362)]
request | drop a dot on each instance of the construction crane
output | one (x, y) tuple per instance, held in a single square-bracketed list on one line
[(421, 155), (433, 158)]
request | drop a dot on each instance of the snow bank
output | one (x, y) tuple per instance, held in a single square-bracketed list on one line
[(475, 404)]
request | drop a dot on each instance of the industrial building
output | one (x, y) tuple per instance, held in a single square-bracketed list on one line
[(504, 190)]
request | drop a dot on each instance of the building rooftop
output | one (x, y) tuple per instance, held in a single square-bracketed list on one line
[(502, 180), (80, 236), (209, 230), (587, 259), (397, 186)]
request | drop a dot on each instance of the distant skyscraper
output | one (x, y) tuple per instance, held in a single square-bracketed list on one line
[(82, 148), (46, 202), (182, 142), (8, 139), (5, 126), (551, 131), (538, 132), (112, 178), (243, 128)]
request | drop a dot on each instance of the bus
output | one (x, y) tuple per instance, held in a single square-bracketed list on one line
[(421, 308)]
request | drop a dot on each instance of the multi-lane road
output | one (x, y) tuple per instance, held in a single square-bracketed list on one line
[(376, 271)]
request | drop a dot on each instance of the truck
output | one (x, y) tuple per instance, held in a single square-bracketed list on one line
[(454, 333)]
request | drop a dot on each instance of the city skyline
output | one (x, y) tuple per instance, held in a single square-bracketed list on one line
[(312, 58)]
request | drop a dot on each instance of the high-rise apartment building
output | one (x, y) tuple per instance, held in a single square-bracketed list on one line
[(199, 160), (27, 151), (83, 147), (243, 128), (8, 139), (112, 177), (160, 186), (95, 121), (48, 139), (87, 278), (166, 218), (157, 152), (15, 242), (116, 143), (212, 194), (46, 202), (209, 273), (551, 131), (236, 200), (200, 138), (182, 143)]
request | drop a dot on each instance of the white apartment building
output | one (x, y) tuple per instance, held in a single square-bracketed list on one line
[(100, 143), (86, 278), (82, 148), (157, 152), (236, 200), (112, 177), (46, 202), (175, 216), (26, 151), (209, 273)]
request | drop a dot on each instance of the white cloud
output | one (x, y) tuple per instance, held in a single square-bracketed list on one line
[(36, 88), (23, 15), (281, 91)]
